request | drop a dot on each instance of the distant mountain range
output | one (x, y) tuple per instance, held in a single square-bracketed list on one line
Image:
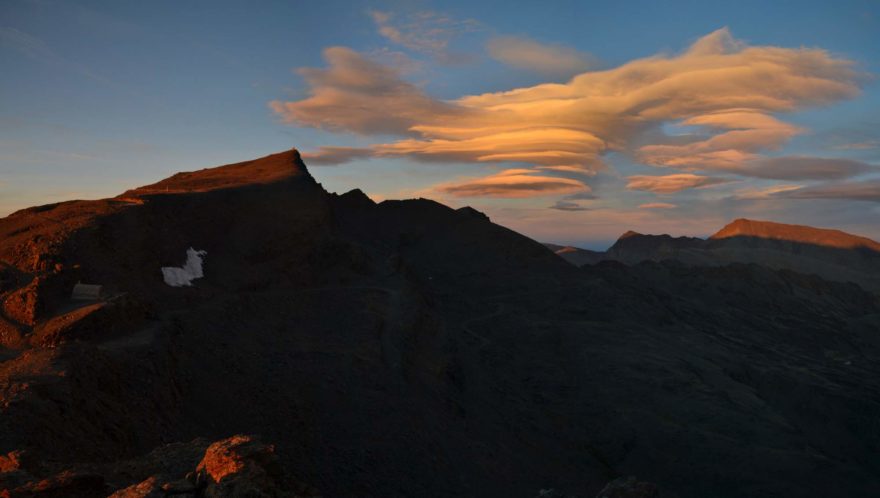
[(831, 254), (405, 348)]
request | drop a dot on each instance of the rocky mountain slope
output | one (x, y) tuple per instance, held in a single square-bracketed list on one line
[(831, 254), (408, 349)]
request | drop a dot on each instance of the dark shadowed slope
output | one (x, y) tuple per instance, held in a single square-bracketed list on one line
[(408, 349), (576, 255)]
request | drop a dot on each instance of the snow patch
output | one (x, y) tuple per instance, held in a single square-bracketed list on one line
[(183, 277)]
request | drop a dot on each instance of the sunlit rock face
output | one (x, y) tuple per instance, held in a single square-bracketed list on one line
[(409, 349)]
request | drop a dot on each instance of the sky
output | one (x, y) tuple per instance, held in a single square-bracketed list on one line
[(568, 121)]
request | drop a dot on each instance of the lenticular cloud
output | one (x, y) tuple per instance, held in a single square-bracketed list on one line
[(730, 93)]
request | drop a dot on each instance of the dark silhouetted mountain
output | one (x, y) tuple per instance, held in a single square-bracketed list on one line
[(404, 348), (831, 254)]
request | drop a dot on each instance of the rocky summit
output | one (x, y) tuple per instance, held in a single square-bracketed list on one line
[(314, 344)]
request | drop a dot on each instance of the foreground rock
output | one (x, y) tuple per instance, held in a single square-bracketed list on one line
[(239, 466)]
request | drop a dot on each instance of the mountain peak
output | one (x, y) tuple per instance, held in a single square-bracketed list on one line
[(273, 168), (794, 233), (628, 234)]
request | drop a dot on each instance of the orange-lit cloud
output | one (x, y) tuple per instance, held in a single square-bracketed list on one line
[(549, 59), (513, 183), (728, 91), (658, 205), (741, 135), (669, 184), (359, 95)]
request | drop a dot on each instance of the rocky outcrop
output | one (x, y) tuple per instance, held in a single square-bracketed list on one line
[(243, 466), (66, 484), (236, 467)]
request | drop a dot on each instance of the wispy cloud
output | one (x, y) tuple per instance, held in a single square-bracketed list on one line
[(568, 206), (805, 168), (425, 32), (550, 59), (657, 205), (867, 190), (330, 156), (670, 184), (866, 145), (35, 48), (513, 183), (754, 193)]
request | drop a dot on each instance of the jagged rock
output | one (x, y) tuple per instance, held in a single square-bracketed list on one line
[(11, 335), (67, 484), (11, 461), (149, 488), (24, 305), (242, 466)]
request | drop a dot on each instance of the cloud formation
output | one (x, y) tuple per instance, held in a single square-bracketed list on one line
[(549, 59), (866, 145), (514, 183), (568, 206), (753, 193), (805, 168), (728, 93), (331, 156), (359, 95), (867, 190), (670, 184), (741, 134), (424, 32), (657, 205)]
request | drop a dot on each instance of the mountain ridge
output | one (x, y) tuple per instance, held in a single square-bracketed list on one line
[(405, 348), (832, 254), (273, 168), (795, 233)]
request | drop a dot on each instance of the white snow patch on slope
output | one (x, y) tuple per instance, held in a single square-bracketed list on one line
[(183, 277)]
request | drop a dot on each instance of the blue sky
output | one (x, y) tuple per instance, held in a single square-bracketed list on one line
[(97, 97)]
